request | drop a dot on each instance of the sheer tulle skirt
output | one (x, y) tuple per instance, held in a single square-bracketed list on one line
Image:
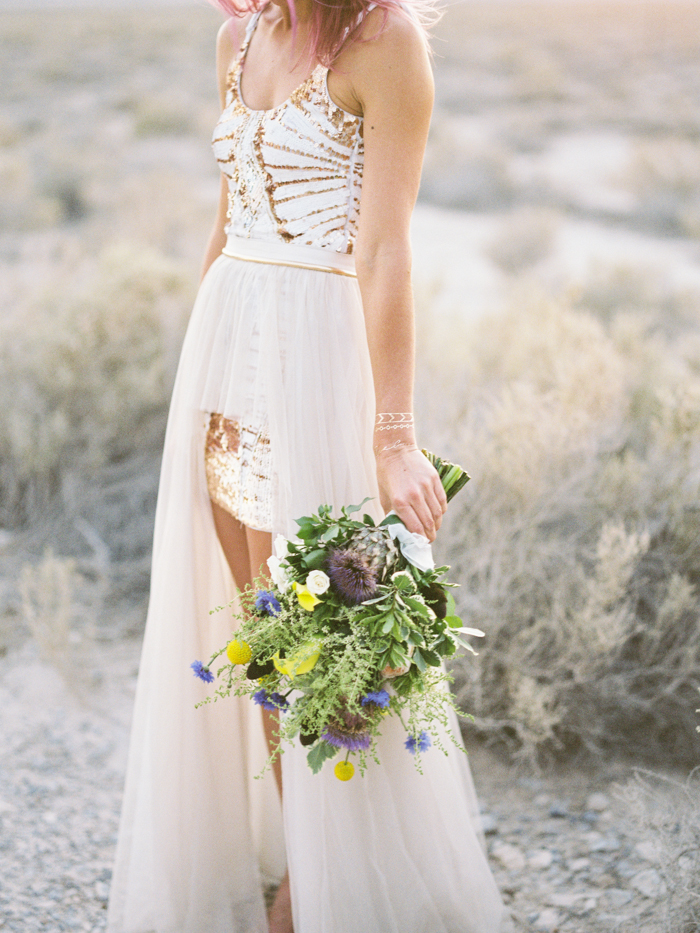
[(283, 348)]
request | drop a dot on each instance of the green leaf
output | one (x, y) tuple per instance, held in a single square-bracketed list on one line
[(415, 639), (403, 581), (419, 661), (330, 533), (389, 621), (431, 658), (465, 644), (371, 602), (416, 605), (453, 621), (319, 753), (446, 648), (472, 631), (391, 519), (397, 657), (349, 509), (314, 559)]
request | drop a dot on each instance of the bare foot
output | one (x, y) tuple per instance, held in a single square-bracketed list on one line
[(280, 916)]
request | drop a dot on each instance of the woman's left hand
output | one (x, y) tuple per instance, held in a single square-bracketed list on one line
[(410, 485)]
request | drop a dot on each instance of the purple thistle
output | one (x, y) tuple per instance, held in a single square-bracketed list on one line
[(353, 743), (270, 701), (267, 602), (378, 698), (351, 576), (420, 744), (202, 672)]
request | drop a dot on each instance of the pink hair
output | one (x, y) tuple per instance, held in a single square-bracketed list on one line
[(337, 22)]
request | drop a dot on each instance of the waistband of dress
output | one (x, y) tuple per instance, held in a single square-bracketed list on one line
[(288, 254)]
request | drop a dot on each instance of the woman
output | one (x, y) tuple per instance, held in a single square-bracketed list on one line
[(294, 389)]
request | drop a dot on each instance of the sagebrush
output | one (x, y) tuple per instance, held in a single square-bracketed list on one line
[(578, 544)]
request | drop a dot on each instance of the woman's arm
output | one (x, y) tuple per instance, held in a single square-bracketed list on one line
[(392, 81), (227, 44)]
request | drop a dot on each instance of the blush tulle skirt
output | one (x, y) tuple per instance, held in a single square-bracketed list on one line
[(282, 347)]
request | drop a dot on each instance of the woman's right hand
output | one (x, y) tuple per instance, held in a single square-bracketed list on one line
[(409, 484)]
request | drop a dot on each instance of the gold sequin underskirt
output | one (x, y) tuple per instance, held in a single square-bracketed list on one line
[(238, 468)]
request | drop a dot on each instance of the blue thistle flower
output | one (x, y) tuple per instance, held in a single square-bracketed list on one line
[(420, 744), (202, 672), (351, 576), (378, 698), (267, 602), (270, 701), (353, 743)]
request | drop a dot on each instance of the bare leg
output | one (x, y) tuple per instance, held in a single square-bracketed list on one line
[(246, 552), (232, 536)]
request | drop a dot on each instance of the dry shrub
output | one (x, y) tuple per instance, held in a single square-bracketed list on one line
[(578, 545), (665, 176), (612, 289), (22, 208), (537, 72), (85, 375), (51, 611), (62, 607), (525, 238), (162, 115), (668, 813), (461, 171), (47, 601)]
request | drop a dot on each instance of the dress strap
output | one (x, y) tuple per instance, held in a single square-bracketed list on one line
[(249, 30)]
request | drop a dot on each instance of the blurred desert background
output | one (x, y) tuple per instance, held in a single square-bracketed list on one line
[(557, 277)]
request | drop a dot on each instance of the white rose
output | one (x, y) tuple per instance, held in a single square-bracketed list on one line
[(281, 549), (415, 548), (317, 582), (278, 572)]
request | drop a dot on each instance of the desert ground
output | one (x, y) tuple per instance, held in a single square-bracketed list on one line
[(557, 279)]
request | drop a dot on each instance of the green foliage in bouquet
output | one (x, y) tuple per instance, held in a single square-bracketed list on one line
[(356, 626)]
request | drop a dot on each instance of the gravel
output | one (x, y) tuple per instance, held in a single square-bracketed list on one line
[(563, 852), (61, 779)]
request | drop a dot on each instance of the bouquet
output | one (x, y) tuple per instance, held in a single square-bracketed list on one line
[(355, 626)]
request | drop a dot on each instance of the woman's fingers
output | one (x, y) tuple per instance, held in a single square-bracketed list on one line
[(411, 487), (410, 519), (421, 512)]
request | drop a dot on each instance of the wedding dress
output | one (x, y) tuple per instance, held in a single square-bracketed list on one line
[(277, 349)]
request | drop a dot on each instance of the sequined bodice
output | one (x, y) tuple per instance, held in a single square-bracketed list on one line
[(294, 172)]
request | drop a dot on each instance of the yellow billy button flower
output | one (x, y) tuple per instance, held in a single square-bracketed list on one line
[(344, 770), (301, 661), (306, 598), (238, 652)]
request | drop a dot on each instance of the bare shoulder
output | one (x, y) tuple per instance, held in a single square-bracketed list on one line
[(229, 38), (392, 31), (390, 58)]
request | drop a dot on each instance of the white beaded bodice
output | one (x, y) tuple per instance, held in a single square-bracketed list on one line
[(294, 172)]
